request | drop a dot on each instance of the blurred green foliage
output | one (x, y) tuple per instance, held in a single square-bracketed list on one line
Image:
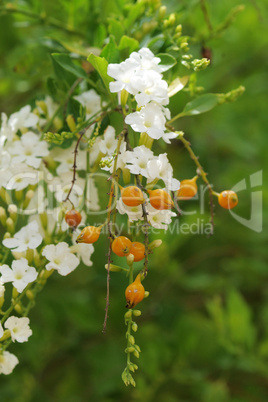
[(204, 328)]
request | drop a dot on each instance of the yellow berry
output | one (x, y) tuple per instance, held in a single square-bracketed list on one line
[(134, 292), (132, 196), (188, 189), (89, 234), (160, 199), (228, 199), (121, 246)]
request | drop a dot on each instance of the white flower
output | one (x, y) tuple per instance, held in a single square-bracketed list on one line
[(147, 60), (21, 274), (150, 119), (91, 101), (134, 213), (18, 177), (8, 361), (19, 328), (22, 119), (66, 159), (27, 237), (159, 219), (123, 74), (28, 149), (83, 251), (109, 143), (60, 258), (160, 168), (137, 160), (151, 88)]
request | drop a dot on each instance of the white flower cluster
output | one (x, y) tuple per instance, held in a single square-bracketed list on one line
[(20, 332), (140, 75)]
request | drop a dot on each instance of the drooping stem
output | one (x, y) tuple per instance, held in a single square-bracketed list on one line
[(110, 211)]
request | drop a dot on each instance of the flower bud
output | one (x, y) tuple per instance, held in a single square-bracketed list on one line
[(6, 335), (71, 122), (131, 339), (7, 235), (137, 313), (128, 314), (18, 308), (134, 327), (13, 210), (10, 225), (162, 12), (30, 294), (3, 216), (130, 259), (155, 244)]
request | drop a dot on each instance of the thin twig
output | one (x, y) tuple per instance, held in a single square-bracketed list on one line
[(200, 172), (81, 134), (206, 15)]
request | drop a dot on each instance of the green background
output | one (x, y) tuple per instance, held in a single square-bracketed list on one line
[(204, 329)]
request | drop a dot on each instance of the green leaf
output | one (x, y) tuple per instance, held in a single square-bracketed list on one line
[(177, 85), (65, 61), (100, 64), (128, 43), (110, 52), (116, 29), (201, 104), (134, 12), (239, 319), (167, 61), (63, 76)]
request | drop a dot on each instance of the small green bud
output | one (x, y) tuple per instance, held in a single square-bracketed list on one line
[(128, 314), (18, 308), (137, 313), (130, 259), (3, 216), (7, 235), (13, 210), (42, 106), (30, 294), (6, 335), (138, 348), (172, 19), (19, 195), (134, 327), (131, 339), (155, 244), (136, 354), (162, 12), (130, 349), (71, 122), (115, 268), (10, 225), (178, 28), (146, 294)]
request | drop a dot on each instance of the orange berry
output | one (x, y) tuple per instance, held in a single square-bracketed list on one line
[(188, 189), (73, 218), (228, 199), (134, 292), (160, 199), (121, 246), (132, 196), (89, 234), (138, 250)]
